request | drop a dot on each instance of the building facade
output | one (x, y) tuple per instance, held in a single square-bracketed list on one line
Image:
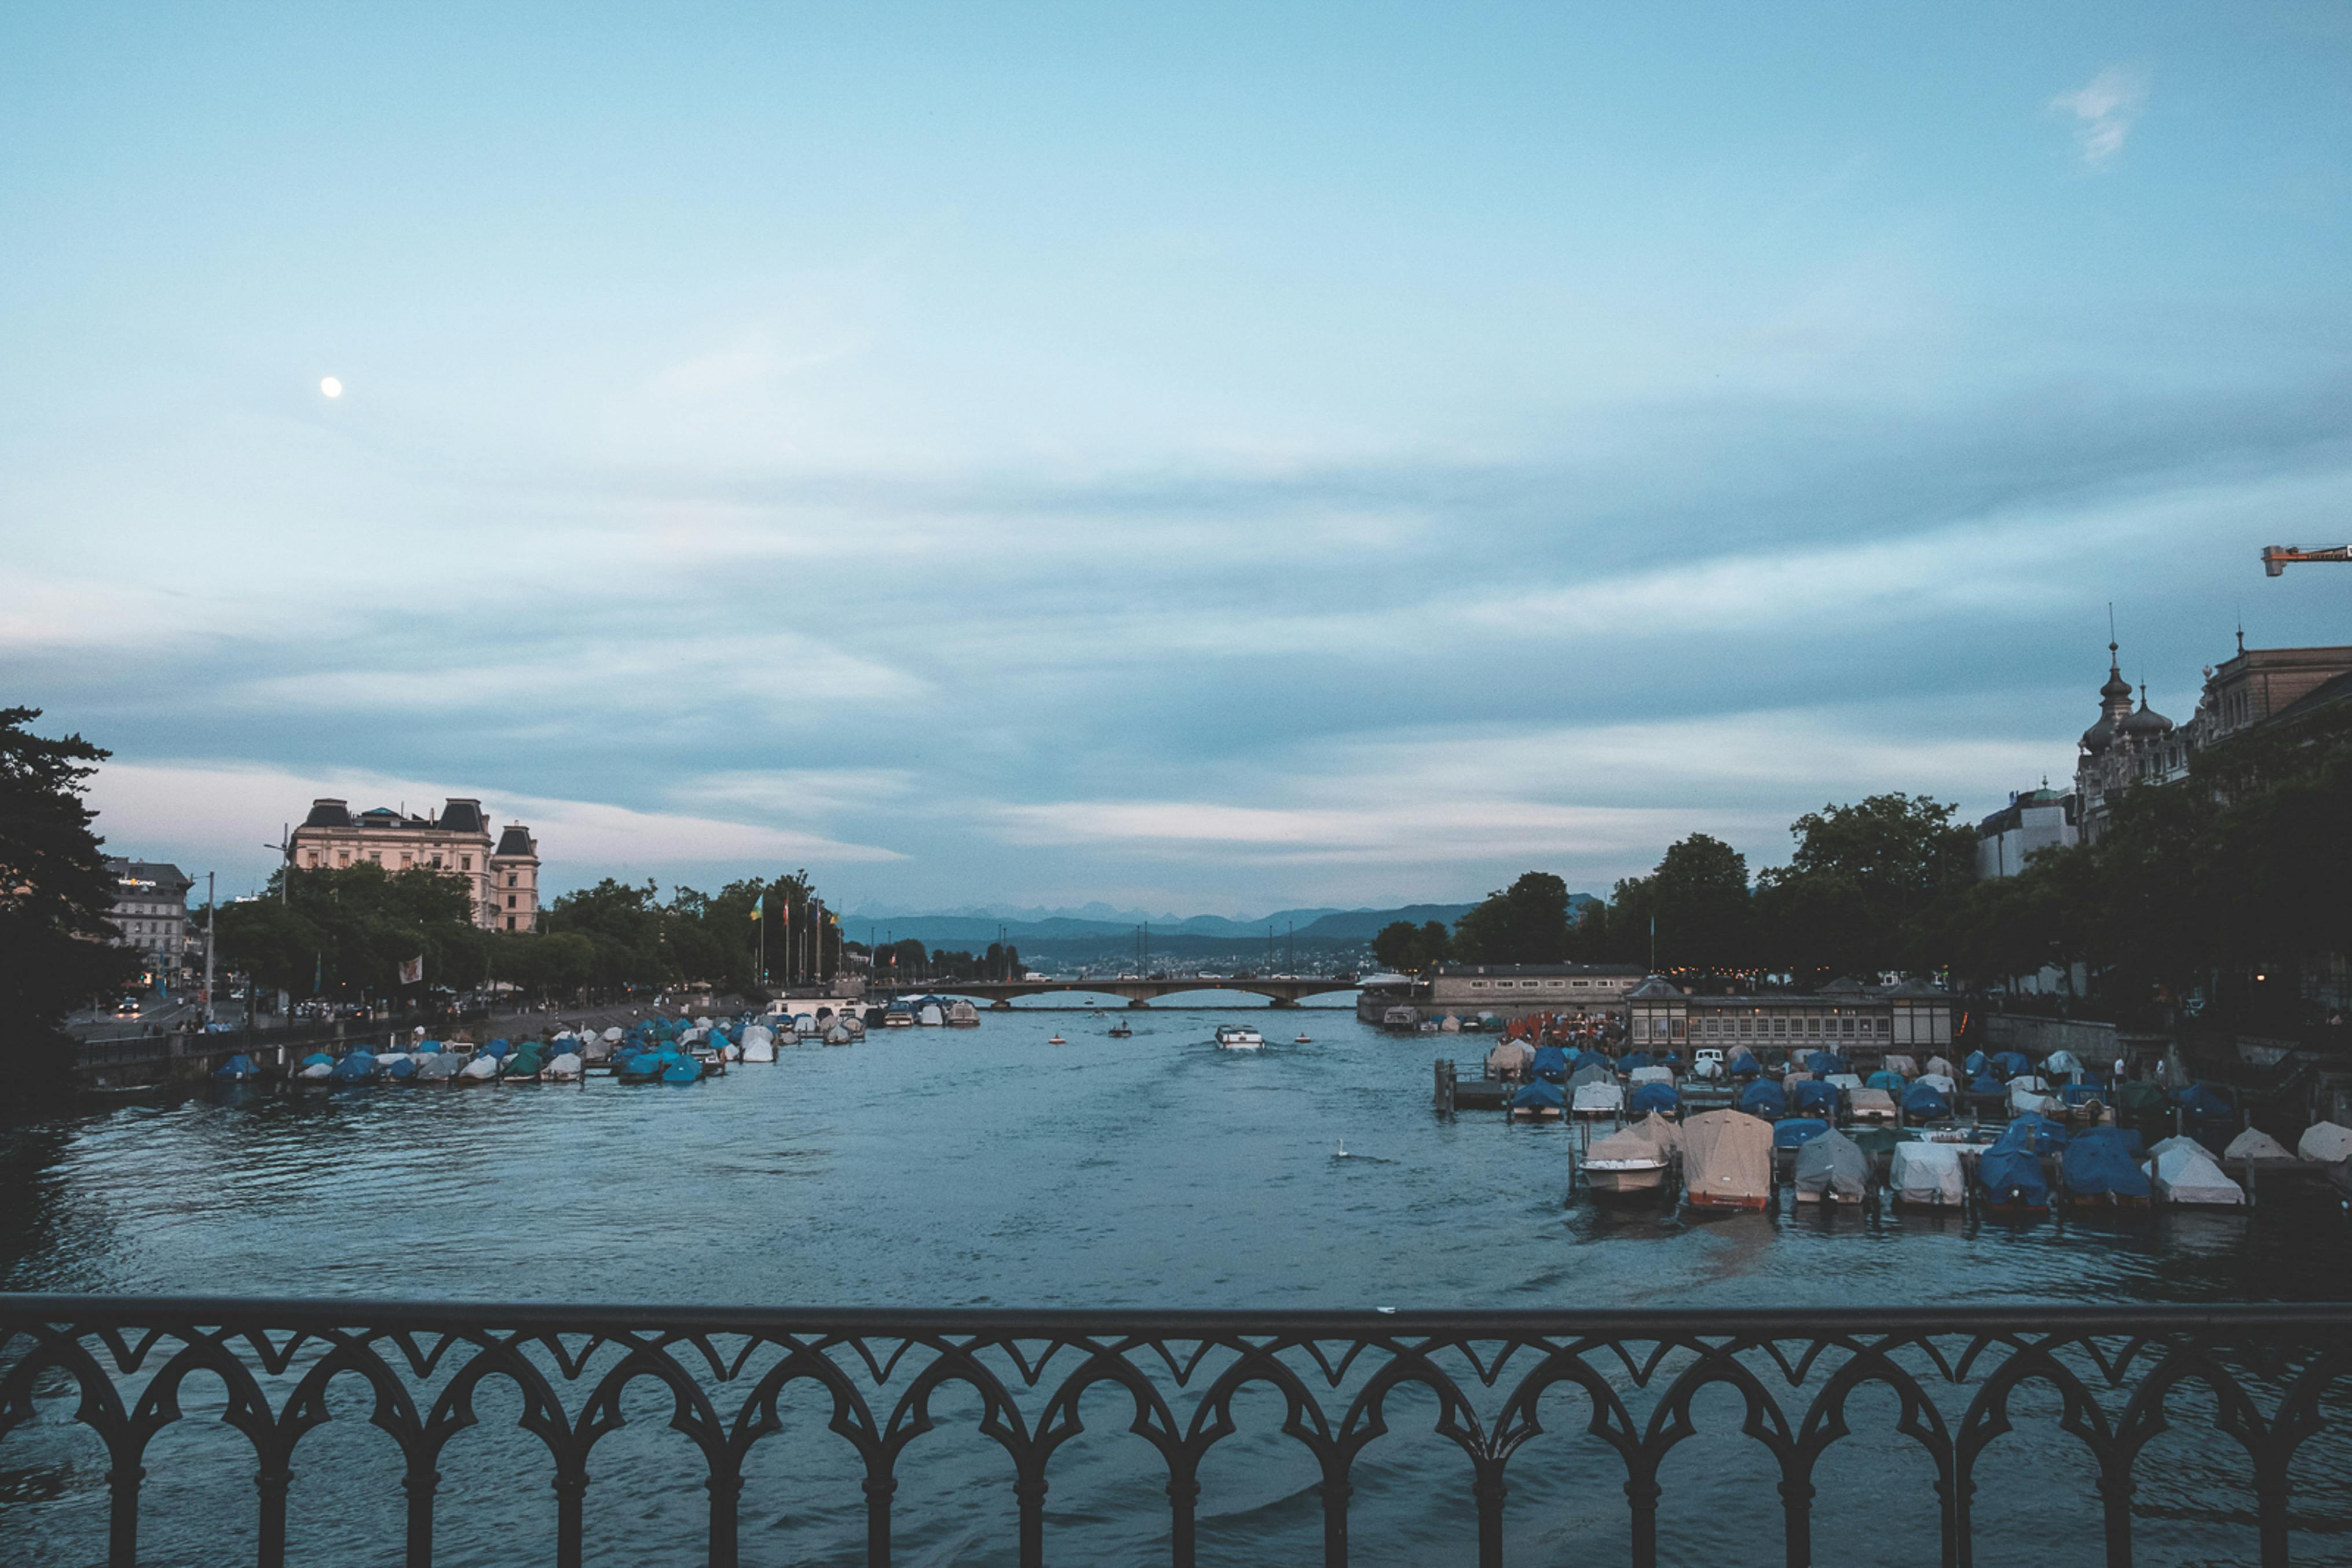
[(1840, 1016), (151, 914), (2037, 820), (501, 873)]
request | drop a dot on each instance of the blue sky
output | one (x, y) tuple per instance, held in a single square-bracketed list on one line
[(1198, 458)]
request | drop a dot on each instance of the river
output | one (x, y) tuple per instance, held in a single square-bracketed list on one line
[(989, 1168)]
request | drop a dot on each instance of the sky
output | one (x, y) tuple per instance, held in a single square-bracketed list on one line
[(1201, 459)]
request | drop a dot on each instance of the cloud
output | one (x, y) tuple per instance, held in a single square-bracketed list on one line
[(2107, 107)]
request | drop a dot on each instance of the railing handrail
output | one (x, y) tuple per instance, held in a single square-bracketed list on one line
[(1372, 1322)]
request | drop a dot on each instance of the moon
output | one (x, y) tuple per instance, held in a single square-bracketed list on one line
[(331, 386)]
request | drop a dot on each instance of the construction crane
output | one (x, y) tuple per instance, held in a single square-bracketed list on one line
[(2277, 556)]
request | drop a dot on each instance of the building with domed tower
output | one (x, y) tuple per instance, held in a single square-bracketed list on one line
[(2126, 746)]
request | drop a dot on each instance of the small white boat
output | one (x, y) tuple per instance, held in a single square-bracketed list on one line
[(1239, 1037), (898, 1017)]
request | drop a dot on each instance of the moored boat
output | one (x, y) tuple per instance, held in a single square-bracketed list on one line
[(1239, 1037), (1727, 1160), (1634, 1160)]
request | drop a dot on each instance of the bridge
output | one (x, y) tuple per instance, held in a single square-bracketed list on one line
[(1281, 991)]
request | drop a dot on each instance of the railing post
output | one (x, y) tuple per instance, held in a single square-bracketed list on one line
[(726, 1496), (2116, 1492), (1336, 1492), (571, 1489), (273, 1480), (1029, 1491), (1183, 1499), (877, 1520), (419, 1483), (2270, 1500), (1643, 1497), (122, 1515), (1490, 1490), (1797, 1510)]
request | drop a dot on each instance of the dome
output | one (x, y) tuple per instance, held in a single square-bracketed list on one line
[(2145, 720), (2095, 738), (2117, 689)]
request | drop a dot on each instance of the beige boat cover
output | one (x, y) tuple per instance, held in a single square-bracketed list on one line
[(1906, 1065), (1652, 1075), (1728, 1156), (2326, 1143), (2254, 1143), (1870, 1102), (1943, 1065), (1650, 1138), (1510, 1056), (1927, 1174)]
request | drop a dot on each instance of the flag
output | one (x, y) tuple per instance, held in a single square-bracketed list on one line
[(411, 973), (755, 912)]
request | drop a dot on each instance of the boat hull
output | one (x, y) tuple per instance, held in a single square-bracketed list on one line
[(1756, 1204), (1623, 1180)]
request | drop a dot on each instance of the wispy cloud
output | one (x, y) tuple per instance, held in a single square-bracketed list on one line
[(2106, 108)]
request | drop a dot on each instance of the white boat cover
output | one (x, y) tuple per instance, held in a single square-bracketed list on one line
[(1793, 1077), (2059, 1061), (1832, 1165), (1728, 1157), (1927, 1174), (1941, 1082), (1870, 1103), (932, 1017), (565, 1066), (612, 1035), (317, 1070), (1449, 1024), (438, 1065), (1592, 1072), (2033, 1080), (1942, 1065), (480, 1067), (1652, 1075), (2254, 1143), (2177, 1141), (2326, 1143), (1906, 1065), (386, 1058), (1598, 1099), (1849, 1082), (1510, 1056), (2024, 1097), (2190, 1176), (1646, 1142)]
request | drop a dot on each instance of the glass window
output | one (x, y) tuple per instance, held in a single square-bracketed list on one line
[(464, 863)]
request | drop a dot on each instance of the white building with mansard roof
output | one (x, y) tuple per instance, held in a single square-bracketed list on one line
[(502, 873)]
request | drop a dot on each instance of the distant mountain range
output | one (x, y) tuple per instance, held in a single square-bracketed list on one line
[(1060, 929)]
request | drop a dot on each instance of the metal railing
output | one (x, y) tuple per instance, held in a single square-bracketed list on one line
[(2261, 1378)]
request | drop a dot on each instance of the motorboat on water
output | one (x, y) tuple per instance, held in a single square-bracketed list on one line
[(1635, 1160), (1239, 1037), (1120, 1028), (898, 1017)]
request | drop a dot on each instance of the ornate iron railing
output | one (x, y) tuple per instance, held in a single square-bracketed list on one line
[(2262, 1381)]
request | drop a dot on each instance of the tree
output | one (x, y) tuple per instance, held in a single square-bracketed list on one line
[(1864, 889), (1409, 948), (1526, 922), (1699, 895), (56, 894)]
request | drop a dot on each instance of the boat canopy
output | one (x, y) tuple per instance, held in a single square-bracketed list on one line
[(2326, 1142), (1795, 1131), (1654, 1096), (2099, 1165), (1600, 1096), (2011, 1172), (1920, 1100), (1542, 1094), (1927, 1174), (1832, 1165), (1764, 1098), (1815, 1097), (1728, 1157), (1893, 1082), (1651, 1138), (2190, 1176), (1551, 1062), (2254, 1143)]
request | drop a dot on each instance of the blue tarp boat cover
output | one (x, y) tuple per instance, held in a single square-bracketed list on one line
[(2011, 1174), (1542, 1094), (318, 1059), (1893, 1082), (1551, 1062), (2034, 1132), (404, 1069), (1986, 1083), (2077, 1093), (1638, 1059), (235, 1067), (2010, 1064), (1795, 1130), (2200, 1102), (1814, 1098), (1742, 1065), (1649, 1097), (1822, 1063), (1975, 1064), (1763, 1098), (1584, 1058), (426, 1048), (359, 1067), (497, 1047), (2099, 1163), (686, 1071), (1924, 1100)]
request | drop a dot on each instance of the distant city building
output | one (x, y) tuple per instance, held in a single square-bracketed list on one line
[(2037, 820), (502, 873), (151, 914), (2130, 746), (1913, 1016), (1507, 990)]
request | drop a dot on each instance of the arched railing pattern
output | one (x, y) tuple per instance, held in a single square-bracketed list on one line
[(2268, 1377)]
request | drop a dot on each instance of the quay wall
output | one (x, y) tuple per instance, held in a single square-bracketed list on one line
[(2037, 1037)]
